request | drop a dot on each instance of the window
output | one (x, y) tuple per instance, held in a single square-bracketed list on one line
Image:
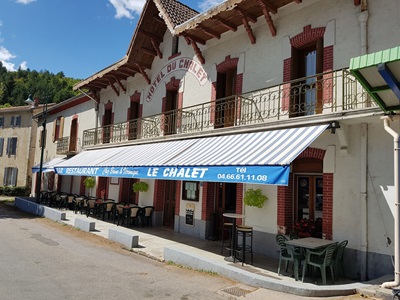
[(190, 191), (1, 122), (11, 146), (58, 128), (10, 176), (175, 45), (15, 121), (1, 146), (42, 138)]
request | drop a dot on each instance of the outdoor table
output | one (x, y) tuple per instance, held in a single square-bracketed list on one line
[(307, 244), (310, 243), (233, 236)]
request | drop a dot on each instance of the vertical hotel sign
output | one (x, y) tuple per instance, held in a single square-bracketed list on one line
[(180, 64)]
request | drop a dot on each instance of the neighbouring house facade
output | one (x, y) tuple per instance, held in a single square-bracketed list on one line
[(251, 94), (17, 138), (65, 122)]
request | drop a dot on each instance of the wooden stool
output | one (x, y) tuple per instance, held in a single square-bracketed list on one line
[(245, 242)]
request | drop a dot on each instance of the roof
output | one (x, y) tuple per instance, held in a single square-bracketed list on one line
[(197, 28), (379, 73)]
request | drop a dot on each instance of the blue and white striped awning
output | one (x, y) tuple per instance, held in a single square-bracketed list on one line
[(259, 157), (49, 165)]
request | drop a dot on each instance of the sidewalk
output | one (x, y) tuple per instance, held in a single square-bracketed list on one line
[(167, 245)]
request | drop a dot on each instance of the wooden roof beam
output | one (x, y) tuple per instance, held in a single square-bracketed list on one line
[(197, 51), (119, 83), (95, 96), (246, 26), (150, 35), (193, 38), (156, 48), (146, 77), (225, 23), (135, 63), (299, 1), (158, 19), (209, 32), (126, 73), (148, 51), (266, 10), (270, 7), (245, 14), (113, 87)]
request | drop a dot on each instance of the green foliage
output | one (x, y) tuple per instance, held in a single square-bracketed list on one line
[(140, 186), (89, 182), (254, 198), (16, 86), (14, 191)]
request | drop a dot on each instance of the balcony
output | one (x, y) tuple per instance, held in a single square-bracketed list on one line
[(68, 146), (323, 94)]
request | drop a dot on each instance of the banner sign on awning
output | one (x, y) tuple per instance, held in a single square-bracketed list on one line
[(277, 175)]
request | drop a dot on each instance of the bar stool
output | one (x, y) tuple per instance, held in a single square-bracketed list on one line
[(226, 238), (245, 242)]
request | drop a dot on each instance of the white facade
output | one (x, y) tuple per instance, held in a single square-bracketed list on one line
[(357, 159)]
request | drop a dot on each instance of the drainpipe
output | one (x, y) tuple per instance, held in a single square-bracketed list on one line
[(363, 202), (395, 136), (363, 18)]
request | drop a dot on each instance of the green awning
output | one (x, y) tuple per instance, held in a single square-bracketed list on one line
[(379, 73)]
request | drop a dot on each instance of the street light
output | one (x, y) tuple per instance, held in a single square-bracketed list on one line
[(43, 143), (378, 73)]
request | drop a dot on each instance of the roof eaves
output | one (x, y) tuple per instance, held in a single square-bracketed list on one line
[(208, 14), (100, 73)]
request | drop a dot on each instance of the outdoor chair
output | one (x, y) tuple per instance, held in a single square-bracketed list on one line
[(133, 216), (338, 258), (288, 254), (119, 215), (147, 214), (91, 207), (320, 260), (108, 208)]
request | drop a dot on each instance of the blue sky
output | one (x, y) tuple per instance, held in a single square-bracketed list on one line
[(77, 37)]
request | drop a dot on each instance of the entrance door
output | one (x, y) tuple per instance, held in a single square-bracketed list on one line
[(73, 136), (133, 120), (225, 103), (170, 112), (225, 202), (169, 203), (307, 92), (106, 127), (309, 196)]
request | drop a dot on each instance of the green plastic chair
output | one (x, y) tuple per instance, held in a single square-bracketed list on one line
[(338, 258), (321, 260), (288, 254)]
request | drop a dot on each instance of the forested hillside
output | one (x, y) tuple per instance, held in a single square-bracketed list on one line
[(16, 86)]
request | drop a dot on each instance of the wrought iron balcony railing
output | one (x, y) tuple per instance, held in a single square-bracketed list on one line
[(321, 94), (68, 145)]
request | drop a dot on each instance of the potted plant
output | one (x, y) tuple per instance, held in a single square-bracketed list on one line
[(140, 186), (308, 227), (254, 198), (89, 183)]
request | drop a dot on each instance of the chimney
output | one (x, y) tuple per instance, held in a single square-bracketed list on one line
[(36, 102)]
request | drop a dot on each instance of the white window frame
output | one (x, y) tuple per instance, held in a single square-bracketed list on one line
[(10, 176)]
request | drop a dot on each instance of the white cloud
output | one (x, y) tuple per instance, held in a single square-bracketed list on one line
[(127, 8), (207, 4), (23, 65), (5, 56), (25, 1)]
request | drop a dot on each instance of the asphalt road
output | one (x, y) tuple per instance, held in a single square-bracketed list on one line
[(41, 259)]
